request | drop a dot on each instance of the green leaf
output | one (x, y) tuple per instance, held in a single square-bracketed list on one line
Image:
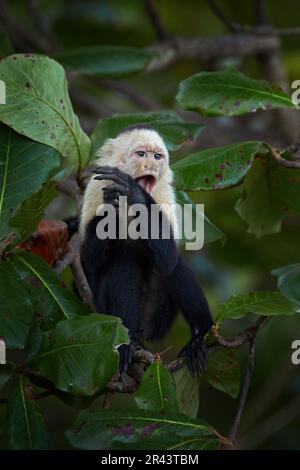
[(6, 371), (140, 429), (187, 391), (106, 61), (24, 167), (230, 93), (28, 264), (211, 232), (260, 303), (289, 281), (16, 309), (216, 168), (270, 192), (174, 130), (224, 372), (157, 390), (79, 355), (25, 427), (32, 210), (38, 106)]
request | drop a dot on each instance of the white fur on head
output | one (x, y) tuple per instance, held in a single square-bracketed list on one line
[(115, 152)]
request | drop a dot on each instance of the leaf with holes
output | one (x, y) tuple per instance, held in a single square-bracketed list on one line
[(106, 61), (270, 192), (16, 309), (24, 167), (79, 355), (140, 429), (34, 269), (223, 372), (38, 106), (261, 303), (230, 93), (24, 428), (174, 130), (216, 168), (157, 390), (289, 281)]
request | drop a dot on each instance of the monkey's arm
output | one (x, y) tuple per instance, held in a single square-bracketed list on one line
[(186, 292), (163, 252)]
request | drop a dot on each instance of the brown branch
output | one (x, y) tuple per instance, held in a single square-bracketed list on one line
[(70, 188), (283, 161), (209, 48), (243, 337), (155, 20), (81, 282)]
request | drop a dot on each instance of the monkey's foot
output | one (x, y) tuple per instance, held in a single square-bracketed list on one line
[(195, 354), (126, 353)]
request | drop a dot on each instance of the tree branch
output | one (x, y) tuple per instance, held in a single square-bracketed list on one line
[(155, 20), (283, 161), (209, 48), (244, 391)]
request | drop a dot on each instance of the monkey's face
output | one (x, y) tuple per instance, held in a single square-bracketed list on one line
[(146, 160)]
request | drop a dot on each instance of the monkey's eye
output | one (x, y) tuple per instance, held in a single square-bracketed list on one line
[(158, 156), (140, 153)]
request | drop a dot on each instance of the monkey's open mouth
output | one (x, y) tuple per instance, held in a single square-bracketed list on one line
[(147, 182)]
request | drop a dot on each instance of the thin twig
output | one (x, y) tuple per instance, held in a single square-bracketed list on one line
[(284, 161), (244, 391), (155, 20), (81, 282), (231, 25)]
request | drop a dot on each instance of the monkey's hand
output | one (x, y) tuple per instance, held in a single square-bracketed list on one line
[(195, 354), (123, 185), (126, 352)]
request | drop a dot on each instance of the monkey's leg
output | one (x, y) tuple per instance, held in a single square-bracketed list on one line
[(120, 294), (185, 291)]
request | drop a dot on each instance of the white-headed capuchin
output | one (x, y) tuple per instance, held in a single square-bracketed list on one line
[(142, 281)]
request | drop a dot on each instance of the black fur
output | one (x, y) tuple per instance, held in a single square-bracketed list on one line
[(144, 282)]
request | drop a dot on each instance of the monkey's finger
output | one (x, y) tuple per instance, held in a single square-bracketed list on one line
[(117, 187), (114, 174)]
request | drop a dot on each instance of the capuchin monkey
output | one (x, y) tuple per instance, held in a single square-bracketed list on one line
[(144, 281)]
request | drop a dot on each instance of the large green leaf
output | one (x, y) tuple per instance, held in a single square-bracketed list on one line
[(79, 355), (289, 281), (174, 130), (270, 192), (230, 93), (223, 372), (216, 168), (187, 391), (157, 390), (106, 61), (261, 303), (38, 106), (32, 210), (25, 427), (211, 232), (36, 269), (140, 429), (16, 309), (24, 167)]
